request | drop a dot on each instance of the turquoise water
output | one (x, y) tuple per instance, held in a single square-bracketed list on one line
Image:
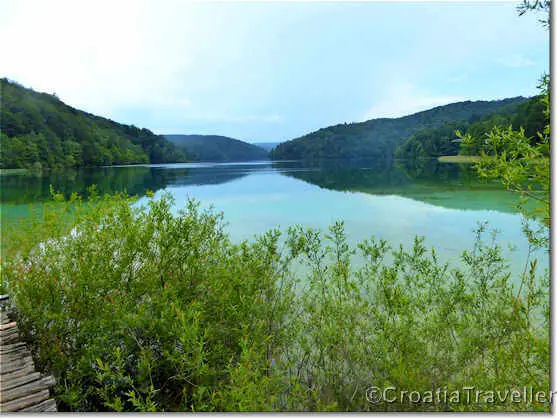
[(442, 202)]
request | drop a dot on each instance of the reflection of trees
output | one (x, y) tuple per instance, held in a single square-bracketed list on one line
[(351, 175), (30, 187), (136, 180), (455, 185), (433, 172), (450, 185)]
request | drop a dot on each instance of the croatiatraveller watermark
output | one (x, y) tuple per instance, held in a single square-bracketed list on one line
[(464, 395)]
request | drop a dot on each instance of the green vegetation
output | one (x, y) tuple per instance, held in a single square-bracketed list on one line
[(379, 138), (521, 159), (40, 131), (444, 141), (216, 148), (521, 162), (285, 322), (195, 322), (267, 146), (139, 309)]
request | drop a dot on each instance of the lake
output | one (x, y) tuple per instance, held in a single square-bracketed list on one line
[(443, 202)]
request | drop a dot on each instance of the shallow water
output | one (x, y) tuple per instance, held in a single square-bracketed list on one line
[(443, 202)]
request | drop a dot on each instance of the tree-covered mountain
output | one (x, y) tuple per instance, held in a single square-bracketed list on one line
[(217, 148), (442, 141), (40, 130), (379, 138), (267, 146)]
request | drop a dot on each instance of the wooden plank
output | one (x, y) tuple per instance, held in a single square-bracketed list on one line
[(21, 387), (17, 365), (8, 326), (28, 369), (23, 356), (14, 351), (46, 406), (5, 336), (8, 340), (11, 346), (19, 381), (14, 356), (26, 359), (9, 332), (10, 353), (27, 389), (24, 402)]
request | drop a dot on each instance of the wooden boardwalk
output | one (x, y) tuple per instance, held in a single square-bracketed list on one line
[(22, 389)]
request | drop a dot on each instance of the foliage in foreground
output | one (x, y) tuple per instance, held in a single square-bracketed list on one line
[(522, 163), (521, 159), (140, 309)]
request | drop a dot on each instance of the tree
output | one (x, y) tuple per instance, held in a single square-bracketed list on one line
[(520, 162)]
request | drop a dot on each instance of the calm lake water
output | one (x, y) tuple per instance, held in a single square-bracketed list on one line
[(443, 202)]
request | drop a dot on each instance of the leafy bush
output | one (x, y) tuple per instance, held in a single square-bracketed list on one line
[(140, 309)]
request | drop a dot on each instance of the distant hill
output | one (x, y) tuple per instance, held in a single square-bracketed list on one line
[(217, 148), (39, 130), (379, 138), (267, 146), (442, 140)]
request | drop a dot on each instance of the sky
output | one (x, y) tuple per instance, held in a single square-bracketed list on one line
[(268, 71)]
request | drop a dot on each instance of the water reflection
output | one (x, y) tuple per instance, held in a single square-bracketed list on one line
[(453, 186), (448, 185), (395, 202)]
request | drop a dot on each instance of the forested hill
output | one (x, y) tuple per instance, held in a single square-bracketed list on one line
[(379, 138), (39, 130), (442, 141), (267, 146), (217, 148)]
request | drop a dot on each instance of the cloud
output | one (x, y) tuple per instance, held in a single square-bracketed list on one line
[(516, 61), (239, 67), (403, 98), (99, 56)]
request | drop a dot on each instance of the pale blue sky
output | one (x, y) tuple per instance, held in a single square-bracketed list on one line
[(268, 71)]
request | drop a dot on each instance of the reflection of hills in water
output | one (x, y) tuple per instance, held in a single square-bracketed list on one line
[(441, 184), (453, 186), (136, 180)]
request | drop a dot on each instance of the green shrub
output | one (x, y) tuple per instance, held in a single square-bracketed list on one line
[(140, 309)]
